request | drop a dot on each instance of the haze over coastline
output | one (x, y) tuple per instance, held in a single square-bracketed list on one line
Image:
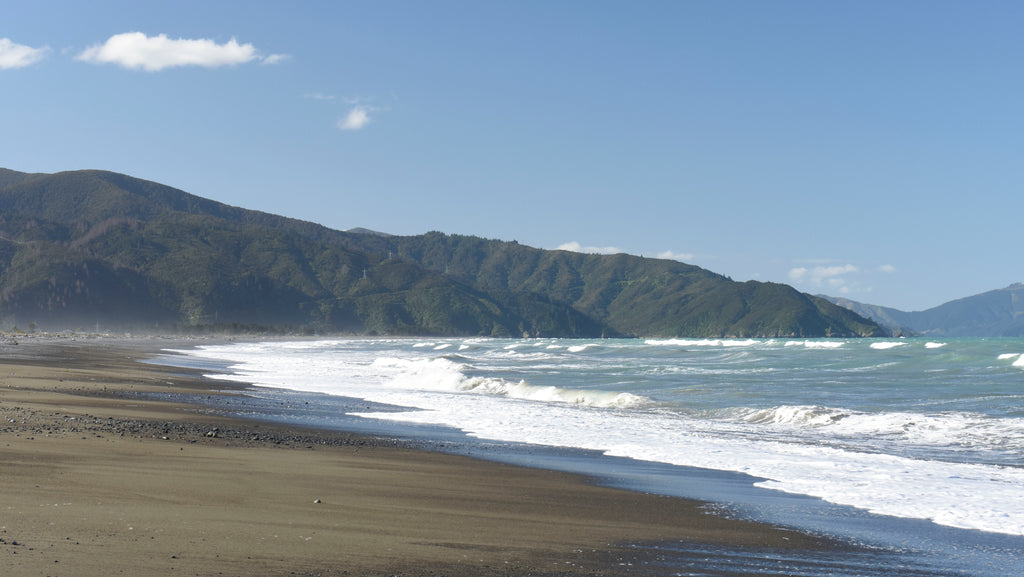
[(511, 288), (864, 151)]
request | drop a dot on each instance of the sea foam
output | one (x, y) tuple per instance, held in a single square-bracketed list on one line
[(887, 345), (702, 342), (959, 495), (946, 429), (444, 375), (816, 344), (861, 458)]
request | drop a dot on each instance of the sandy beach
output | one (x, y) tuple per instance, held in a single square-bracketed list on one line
[(99, 480)]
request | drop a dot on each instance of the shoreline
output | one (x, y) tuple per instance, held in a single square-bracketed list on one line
[(98, 477)]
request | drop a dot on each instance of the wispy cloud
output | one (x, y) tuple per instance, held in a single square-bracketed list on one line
[(357, 118), (275, 59), (820, 273), (577, 247), (831, 277), (319, 96), (136, 51), (18, 55), (887, 268), (680, 256)]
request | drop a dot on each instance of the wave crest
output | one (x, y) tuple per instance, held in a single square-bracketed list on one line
[(925, 429), (702, 342), (444, 375), (887, 345)]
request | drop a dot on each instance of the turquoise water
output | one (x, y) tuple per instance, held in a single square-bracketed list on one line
[(909, 435)]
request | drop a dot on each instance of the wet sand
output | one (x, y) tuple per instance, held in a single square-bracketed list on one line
[(97, 480)]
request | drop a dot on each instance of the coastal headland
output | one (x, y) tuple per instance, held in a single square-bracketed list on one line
[(99, 477)]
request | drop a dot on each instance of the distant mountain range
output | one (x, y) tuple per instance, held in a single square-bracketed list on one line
[(85, 248), (997, 313)]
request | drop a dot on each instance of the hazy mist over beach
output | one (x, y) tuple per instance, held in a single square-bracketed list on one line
[(511, 288)]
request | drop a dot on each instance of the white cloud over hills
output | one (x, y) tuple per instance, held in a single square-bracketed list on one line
[(680, 256), (577, 247), (837, 279), (136, 51), (822, 275), (13, 55), (574, 246)]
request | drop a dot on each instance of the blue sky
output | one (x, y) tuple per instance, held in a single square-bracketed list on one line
[(864, 149)]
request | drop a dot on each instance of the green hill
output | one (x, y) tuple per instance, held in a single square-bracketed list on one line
[(86, 247), (632, 295)]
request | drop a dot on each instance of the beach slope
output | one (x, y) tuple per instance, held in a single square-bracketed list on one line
[(100, 477)]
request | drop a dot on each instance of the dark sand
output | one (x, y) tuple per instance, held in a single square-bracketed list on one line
[(96, 480)]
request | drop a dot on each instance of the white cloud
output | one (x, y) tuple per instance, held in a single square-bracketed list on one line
[(833, 276), (275, 59), (887, 268), (577, 247), (136, 51), (830, 271), (319, 96), (680, 256), (356, 119), (18, 55)]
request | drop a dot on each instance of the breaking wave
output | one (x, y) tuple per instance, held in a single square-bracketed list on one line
[(445, 375), (943, 429)]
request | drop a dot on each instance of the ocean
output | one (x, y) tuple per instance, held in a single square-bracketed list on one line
[(910, 449)]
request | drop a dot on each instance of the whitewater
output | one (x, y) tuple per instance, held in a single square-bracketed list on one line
[(930, 430)]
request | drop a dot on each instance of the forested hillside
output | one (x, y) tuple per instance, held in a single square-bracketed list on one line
[(86, 248), (632, 294)]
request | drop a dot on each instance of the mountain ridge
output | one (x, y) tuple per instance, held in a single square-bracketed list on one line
[(95, 246), (995, 313)]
